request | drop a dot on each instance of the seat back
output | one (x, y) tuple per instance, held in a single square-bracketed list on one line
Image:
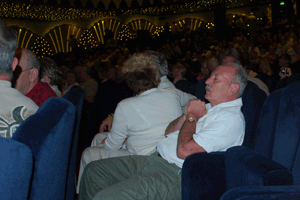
[(253, 99), (278, 132), (48, 133), (76, 97), (269, 81), (16, 163)]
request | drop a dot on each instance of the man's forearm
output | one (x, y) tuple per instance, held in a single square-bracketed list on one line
[(175, 125), (186, 145), (185, 136)]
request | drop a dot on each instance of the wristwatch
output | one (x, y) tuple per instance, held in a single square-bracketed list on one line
[(191, 119)]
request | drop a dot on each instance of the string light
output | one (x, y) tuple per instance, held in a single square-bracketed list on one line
[(41, 47), (124, 33), (87, 40), (56, 13)]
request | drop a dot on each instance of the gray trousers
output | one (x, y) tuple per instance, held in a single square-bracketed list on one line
[(131, 177)]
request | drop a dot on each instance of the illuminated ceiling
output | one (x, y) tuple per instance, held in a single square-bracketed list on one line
[(47, 10)]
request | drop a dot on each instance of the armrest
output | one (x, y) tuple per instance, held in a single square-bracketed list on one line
[(203, 176), (245, 167), (263, 193)]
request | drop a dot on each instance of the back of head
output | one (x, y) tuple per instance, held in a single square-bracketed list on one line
[(212, 64), (50, 69), (30, 58), (230, 55), (8, 45), (160, 60), (141, 72)]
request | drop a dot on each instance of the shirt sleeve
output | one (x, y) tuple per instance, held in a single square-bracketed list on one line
[(220, 133), (184, 98), (119, 130)]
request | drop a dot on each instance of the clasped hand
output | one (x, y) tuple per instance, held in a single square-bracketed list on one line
[(195, 108)]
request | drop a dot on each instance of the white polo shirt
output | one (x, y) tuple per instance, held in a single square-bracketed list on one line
[(221, 128)]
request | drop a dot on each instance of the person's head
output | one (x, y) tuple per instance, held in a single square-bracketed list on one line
[(8, 45), (284, 60), (230, 55), (178, 70), (226, 83), (264, 65), (71, 77), (160, 60), (29, 67), (141, 73), (110, 72), (204, 69), (85, 73), (212, 64), (50, 72)]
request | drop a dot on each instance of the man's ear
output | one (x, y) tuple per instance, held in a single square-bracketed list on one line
[(15, 63), (34, 73), (234, 88)]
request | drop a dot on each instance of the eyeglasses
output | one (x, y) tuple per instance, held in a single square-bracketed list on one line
[(25, 69)]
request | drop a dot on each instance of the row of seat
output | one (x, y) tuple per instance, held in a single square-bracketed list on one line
[(266, 166), (39, 161)]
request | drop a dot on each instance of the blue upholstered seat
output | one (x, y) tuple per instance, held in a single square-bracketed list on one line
[(203, 175), (276, 159), (16, 163), (48, 133), (76, 97)]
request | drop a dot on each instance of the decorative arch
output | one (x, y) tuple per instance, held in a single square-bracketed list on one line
[(59, 37), (192, 23), (25, 37), (110, 23), (141, 24)]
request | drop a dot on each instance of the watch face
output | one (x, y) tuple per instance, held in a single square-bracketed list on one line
[(191, 119)]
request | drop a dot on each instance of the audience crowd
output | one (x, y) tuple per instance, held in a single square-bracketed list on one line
[(140, 96)]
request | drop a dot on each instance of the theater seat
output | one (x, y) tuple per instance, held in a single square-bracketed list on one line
[(16, 163), (275, 161), (48, 133), (75, 96)]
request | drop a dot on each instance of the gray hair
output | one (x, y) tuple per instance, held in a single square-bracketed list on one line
[(50, 69), (32, 60), (240, 77), (160, 60), (8, 46)]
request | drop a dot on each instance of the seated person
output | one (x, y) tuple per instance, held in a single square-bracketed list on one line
[(27, 80), (165, 83), (51, 74), (71, 77), (213, 127), (142, 119), (14, 106), (287, 71), (180, 82), (89, 85)]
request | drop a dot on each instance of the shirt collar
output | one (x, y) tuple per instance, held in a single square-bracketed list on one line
[(5, 84), (237, 102), (148, 92)]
